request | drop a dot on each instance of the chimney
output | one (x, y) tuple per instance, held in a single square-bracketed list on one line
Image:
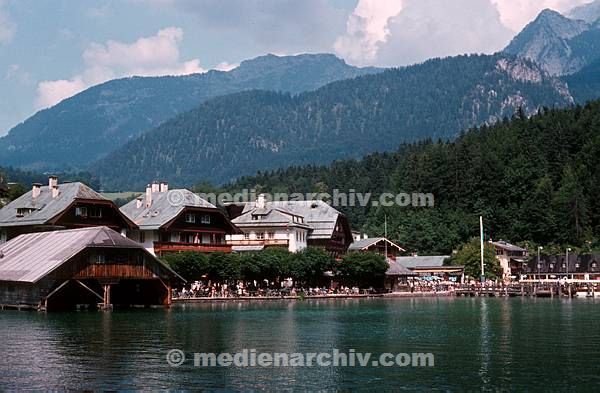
[(261, 201), (54, 191), (155, 187), (164, 186), (52, 181), (36, 190), (139, 202), (148, 195)]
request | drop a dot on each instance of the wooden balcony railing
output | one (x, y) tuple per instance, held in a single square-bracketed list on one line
[(162, 247), (259, 242)]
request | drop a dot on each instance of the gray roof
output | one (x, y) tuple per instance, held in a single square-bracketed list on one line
[(368, 242), (318, 215), (507, 246), (397, 269), (30, 257), (165, 207), (420, 262), (268, 217), (45, 206)]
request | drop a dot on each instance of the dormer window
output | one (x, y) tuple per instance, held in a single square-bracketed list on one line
[(95, 212), (81, 211), (190, 218), (23, 211), (205, 219)]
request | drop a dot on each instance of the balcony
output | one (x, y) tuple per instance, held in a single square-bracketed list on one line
[(166, 247), (259, 242)]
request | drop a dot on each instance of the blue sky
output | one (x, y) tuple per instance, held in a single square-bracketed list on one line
[(51, 49)]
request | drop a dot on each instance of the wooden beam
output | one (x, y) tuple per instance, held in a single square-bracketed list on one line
[(57, 289), (90, 289)]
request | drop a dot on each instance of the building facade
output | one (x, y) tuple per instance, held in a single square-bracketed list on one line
[(294, 225), (60, 206), (511, 258), (177, 220)]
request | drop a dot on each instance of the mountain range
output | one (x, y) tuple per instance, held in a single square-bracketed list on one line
[(242, 133), (275, 111), (561, 45), (89, 125)]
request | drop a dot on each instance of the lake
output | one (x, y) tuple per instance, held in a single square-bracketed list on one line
[(478, 343)]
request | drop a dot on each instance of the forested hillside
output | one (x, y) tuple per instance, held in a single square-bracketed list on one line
[(239, 134), (91, 124), (585, 85), (533, 179)]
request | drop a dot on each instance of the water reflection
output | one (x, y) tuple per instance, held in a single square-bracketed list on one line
[(478, 343)]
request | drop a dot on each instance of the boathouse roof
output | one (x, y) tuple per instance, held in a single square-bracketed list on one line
[(30, 257)]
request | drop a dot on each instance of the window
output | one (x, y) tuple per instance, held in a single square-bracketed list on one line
[(81, 211), (205, 219), (95, 212), (23, 211), (190, 218), (271, 235), (260, 235), (99, 259), (246, 236), (142, 237)]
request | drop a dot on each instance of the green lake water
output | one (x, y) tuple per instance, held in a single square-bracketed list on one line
[(478, 343)]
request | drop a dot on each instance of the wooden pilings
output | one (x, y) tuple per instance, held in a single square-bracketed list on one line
[(106, 304)]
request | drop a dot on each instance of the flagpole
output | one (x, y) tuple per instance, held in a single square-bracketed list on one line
[(481, 236), (385, 234)]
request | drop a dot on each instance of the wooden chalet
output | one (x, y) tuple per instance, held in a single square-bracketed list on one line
[(88, 266), (177, 220), (59, 206)]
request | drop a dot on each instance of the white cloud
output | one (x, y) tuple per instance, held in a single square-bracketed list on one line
[(399, 32), (438, 28), (147, 56), (515, 14), (366, 27), (52, 92), (7, 26)]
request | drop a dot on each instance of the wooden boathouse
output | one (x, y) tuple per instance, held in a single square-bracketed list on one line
[(89, 267)]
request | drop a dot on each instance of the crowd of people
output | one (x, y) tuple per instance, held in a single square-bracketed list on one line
[(201, 289)]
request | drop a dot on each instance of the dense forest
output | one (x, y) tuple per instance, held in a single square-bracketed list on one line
[(534, 179), (242, 133)]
